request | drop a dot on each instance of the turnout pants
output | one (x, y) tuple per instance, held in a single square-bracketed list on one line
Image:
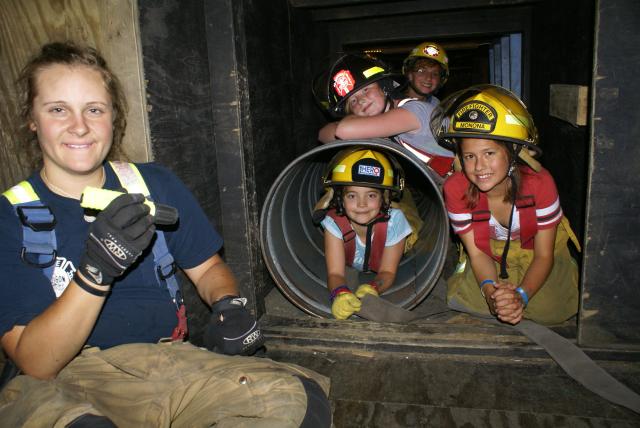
[(162, 385), (555, 302)]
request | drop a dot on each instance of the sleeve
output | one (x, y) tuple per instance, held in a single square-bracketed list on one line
[(397, 229), (548, 209), (330, 225), (421, 110), (193, 240), (454, 196)]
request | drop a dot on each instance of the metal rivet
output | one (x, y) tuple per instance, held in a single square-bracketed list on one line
[(243, 380)]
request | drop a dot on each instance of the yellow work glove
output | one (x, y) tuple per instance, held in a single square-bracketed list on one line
[(366, 289), (344, 305)]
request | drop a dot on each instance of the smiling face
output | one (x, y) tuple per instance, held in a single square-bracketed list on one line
[(425, 78), (367, 101), (486, 164), (72, 114), (362, 204)]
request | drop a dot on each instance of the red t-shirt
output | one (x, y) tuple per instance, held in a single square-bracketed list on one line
[(540, 185)]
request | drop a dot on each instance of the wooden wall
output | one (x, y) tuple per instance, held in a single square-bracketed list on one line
[(111, 26)]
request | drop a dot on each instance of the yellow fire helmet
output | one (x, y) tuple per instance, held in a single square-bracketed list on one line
[(489, 112), (428, 50), (364, 167)]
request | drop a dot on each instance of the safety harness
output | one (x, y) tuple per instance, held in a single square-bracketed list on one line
[(376, 238), (39, 246), (528, 224)]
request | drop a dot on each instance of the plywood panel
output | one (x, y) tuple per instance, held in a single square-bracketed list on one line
[(111, 26)]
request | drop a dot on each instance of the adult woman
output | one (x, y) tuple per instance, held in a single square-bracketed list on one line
[(99, 289), (505, 208)]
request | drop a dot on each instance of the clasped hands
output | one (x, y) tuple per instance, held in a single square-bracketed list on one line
[(504, 301), (347, 303)]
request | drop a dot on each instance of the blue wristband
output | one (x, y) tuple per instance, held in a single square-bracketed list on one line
[(524, 295), (487, 281), (338, 290)]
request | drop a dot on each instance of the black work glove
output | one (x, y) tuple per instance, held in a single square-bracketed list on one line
[(116, 239), (232, 330)]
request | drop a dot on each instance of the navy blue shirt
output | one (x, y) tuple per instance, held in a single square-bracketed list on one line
[(138, 310)]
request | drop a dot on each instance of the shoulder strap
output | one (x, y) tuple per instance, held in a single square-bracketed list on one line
[(38, 234), (376, 247), (373, 247), (131, 179), (348, 235), (480, 223), (526, 205)]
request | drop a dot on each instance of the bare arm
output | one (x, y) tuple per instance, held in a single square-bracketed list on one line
[(482, 265), (389, 266), (393, 122), (327, 133), (334, 258), (51, 340), (213, 279), (542, 263)]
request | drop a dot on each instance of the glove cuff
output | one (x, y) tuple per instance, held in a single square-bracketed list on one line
[(337, 291), (375, 284), (80, 281), (92, 272)]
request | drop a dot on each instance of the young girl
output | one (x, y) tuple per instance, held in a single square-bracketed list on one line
[(360, 89), (360, 228), (505, 208)]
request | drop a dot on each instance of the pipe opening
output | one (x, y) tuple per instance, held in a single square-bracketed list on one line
[(293, 247)]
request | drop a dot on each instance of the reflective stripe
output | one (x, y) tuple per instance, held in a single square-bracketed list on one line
[(130, 177), (132, 180), (419, 154), (21, 193)]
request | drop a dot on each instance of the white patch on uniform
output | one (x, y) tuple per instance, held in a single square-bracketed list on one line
[(62, 275)]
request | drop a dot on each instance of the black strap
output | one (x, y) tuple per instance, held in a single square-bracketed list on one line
[(503, 259)]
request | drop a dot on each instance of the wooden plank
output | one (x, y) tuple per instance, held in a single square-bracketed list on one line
[(569, 103), (110, 26)]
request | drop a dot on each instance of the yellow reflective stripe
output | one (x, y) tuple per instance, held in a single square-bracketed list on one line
[(130, 177), (371, 71), (21, 193)]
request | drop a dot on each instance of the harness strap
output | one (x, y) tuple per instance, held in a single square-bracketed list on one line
[(528, 221), (440, 164), (374, 247), (132, 180), (480, 224), (528, 224), (38, 234)]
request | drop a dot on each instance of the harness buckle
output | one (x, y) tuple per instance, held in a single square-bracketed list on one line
[(24, 258), (37, 220), (172, 272), (351, 234)]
